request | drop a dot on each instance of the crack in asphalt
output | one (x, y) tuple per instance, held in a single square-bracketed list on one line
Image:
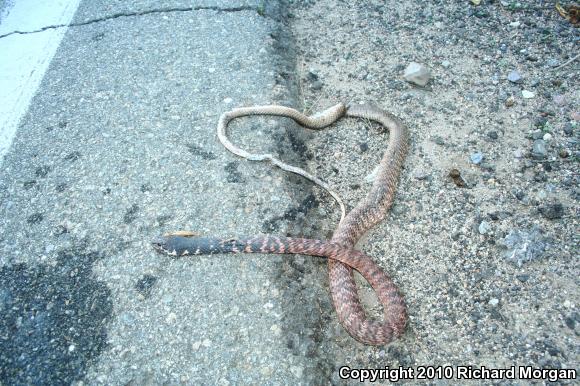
[(137, 13)]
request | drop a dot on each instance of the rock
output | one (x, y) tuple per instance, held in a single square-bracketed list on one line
[(484, 227), (547, 137), (522, 246), (541, 195), (510, 101), (487, 166), (421, 174), (493, 302), (568, 130), (312, 76), (457, 179), (523, 277), (528, 94), (476, 158), (438, 140), (446, 63), (540, 122), (563, 153), (417, 73), (560, 100), (317, 85), (539, 150), (531, 58), (552, 211), (514, 77), (493, 135)]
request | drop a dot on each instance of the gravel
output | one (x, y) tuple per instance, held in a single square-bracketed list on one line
[(485, 272)]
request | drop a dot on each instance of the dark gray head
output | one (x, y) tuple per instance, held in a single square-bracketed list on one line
[(162, 244), (177, 245)]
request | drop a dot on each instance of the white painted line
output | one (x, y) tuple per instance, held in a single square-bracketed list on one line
[(24, 58)]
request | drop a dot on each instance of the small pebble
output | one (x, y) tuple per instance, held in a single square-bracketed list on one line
[(524, 245), (484, 227), (438, 140), (538, 134), (476, 158), (316, 85), (514, 77), (493, 135), (523, 278), (567, 303), (456, 177), (539, 150), (312, 76), (417, 73), (493, 302), (559, 100), (541, 195), (446, 63), (547, 137), (421, 174), (510, 101), (552, 211), (527, 94), (540, 122), (532, 58)]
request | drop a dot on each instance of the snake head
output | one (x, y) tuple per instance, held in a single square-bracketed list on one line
[(171, 243), (161, 244)]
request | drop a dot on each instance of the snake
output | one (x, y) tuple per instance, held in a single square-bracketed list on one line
[(340, 250)]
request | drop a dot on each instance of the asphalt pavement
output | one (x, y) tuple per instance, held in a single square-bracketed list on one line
[(118, 146)]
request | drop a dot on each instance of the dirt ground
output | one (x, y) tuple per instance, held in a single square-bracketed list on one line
[(488, 261)]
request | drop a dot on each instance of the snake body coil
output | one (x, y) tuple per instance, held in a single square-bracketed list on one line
[(342, 257)]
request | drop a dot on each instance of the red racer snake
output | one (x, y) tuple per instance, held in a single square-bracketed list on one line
[(342, 257)]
